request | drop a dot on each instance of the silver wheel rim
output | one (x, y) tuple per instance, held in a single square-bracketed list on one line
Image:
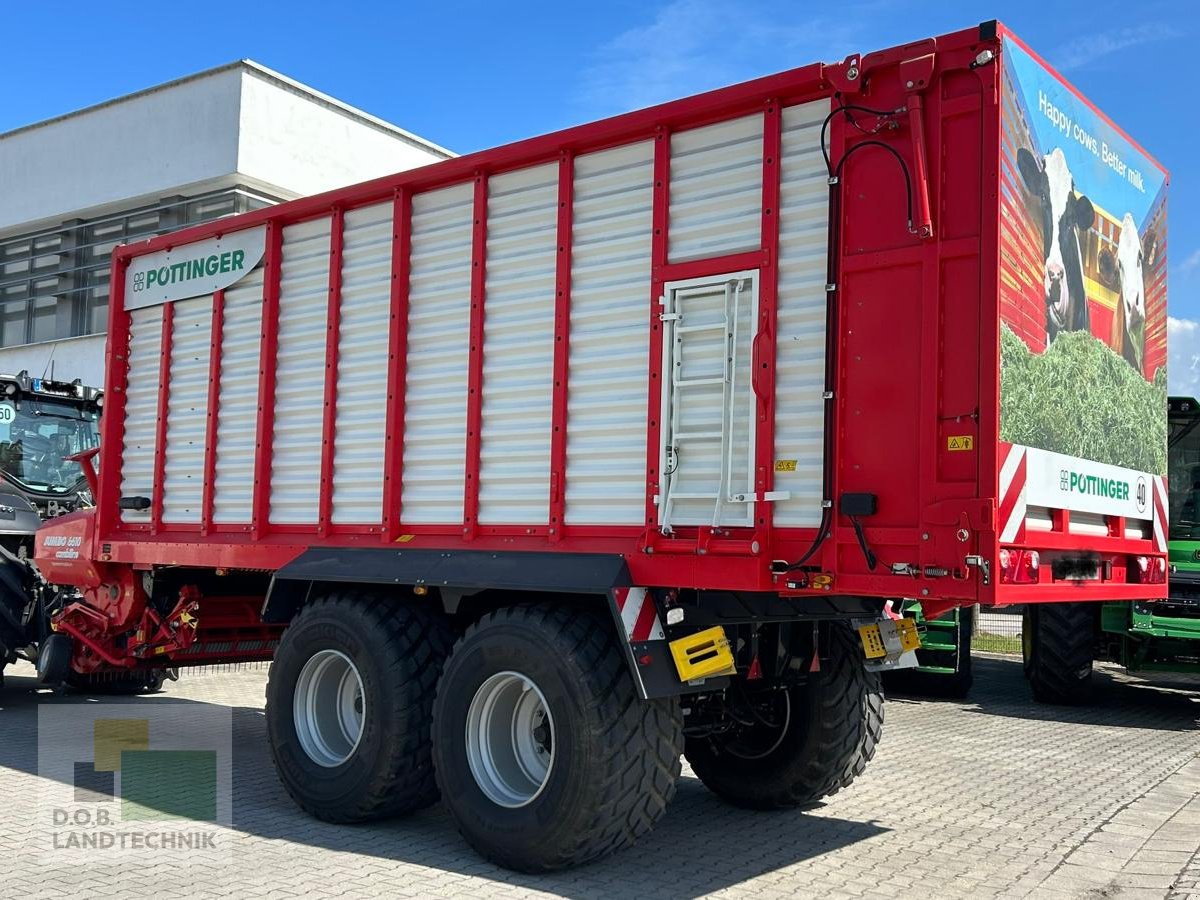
[(510, 739), (329, 708)]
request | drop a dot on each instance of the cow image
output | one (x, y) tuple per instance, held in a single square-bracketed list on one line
[(1064, 215), (1129, 321)]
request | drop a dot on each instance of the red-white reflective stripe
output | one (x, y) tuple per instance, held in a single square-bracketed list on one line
[(1011, 515), (1160, 514), (638, 614)]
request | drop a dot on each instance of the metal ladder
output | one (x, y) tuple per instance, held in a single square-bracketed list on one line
[(677, 331)]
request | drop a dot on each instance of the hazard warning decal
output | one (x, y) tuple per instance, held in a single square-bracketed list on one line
[(1013, 505), (638, 614)]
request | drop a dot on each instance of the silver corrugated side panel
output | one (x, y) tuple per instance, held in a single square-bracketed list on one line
[(237, 401), (361, 411), (300, 373), (439, 318), (609, 336), (800, 344), (716, 189), (187, 409), (518, 347), (141, 408)]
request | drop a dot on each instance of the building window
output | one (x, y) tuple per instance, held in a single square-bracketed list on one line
[(54, 284), (12, 322), (43, 326), (210, 208), (96, 313)]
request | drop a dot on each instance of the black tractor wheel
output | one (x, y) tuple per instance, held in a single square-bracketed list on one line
[(54, 661), (349, 705), (814, 741), (545, 756), (1058, 641)]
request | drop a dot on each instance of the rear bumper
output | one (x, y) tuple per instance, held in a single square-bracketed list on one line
[(1090, 568), (1178, 616)]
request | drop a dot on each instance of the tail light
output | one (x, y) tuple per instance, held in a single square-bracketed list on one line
[(1149, 570), (1019, 566)]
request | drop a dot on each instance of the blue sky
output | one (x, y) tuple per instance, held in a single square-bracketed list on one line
[(473, 75)]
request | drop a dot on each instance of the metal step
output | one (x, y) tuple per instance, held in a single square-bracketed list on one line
[(692, 382)]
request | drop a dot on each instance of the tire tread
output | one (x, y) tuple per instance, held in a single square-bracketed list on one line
[(1063, 653), (848, 724), (421, 639), (641, 743)]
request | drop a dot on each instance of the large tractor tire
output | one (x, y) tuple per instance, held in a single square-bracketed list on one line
[(817, 740), (545, 756), (350, 703), (1058, 641)]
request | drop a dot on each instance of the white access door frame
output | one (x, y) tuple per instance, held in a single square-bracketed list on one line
[(708, 413)]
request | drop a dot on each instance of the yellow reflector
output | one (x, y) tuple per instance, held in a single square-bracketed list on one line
[(872, 640), (703, 654)]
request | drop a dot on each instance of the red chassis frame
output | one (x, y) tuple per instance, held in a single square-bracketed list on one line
[(914, 365)]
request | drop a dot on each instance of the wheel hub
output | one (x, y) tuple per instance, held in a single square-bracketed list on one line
[(510, 739), (329, 708)]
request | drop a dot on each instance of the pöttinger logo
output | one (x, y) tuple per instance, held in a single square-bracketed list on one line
[(124, 781)]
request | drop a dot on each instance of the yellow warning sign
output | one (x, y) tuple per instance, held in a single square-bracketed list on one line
[(785, 465), (960, 442), (405, 538)]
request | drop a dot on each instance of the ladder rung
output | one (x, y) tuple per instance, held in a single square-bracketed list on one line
[(679, 495), (693, 382), (697, 436), (692, 329)]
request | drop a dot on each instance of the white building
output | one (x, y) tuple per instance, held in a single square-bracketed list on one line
[(221, 142)]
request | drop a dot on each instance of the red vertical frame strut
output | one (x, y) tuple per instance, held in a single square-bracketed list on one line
[(116, 381), (214, 399), (332, 330), (266, 379), (160, 422), (562, 338), (660, 216), (393, 452), (763, 357), (475, 359)]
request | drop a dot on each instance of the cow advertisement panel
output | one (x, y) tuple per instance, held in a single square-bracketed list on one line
[(1083, 302)]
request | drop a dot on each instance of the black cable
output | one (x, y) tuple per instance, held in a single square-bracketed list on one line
[(868, 553), (847, 108), (831, 322), (908, 190)]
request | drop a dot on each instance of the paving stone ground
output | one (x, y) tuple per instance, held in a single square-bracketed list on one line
[(993, 797)]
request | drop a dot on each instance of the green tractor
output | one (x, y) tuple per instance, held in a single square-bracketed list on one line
[(1060, 641), (944, 659)]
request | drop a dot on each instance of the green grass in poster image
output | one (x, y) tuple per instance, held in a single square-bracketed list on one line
[(1082, 399)]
